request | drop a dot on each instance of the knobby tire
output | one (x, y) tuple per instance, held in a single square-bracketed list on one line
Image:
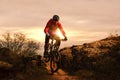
[(54, 63)]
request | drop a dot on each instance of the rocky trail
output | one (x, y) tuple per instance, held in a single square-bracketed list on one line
[(59, 75)]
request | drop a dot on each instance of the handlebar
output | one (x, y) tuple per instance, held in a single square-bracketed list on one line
[(64, 39)]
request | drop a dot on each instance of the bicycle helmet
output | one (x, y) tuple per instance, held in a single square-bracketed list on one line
[(56, 18)]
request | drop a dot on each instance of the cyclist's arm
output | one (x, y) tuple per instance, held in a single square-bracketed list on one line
[(47, 26), (61, 29)]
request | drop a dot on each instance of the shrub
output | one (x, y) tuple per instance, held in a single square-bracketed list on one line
[(19, 44)]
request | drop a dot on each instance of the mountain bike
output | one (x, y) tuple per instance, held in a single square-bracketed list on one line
[(54, 57)]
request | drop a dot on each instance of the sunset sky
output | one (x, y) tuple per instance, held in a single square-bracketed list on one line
[(82, 20)]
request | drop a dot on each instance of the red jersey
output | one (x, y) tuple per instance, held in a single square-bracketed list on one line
[(52, 26)]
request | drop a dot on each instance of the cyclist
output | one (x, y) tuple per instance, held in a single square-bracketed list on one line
[(50, 30)]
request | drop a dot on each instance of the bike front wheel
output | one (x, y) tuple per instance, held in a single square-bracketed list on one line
[(55, 63)]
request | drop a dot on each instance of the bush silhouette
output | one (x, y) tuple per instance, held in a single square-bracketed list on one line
[(19, 44)]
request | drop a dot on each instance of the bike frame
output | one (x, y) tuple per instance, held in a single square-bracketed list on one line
[(53, 45)]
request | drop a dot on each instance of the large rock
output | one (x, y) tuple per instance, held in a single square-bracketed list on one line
[(90, 55)]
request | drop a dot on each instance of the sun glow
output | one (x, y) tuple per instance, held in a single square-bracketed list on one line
[(59, 34), (35, 34)]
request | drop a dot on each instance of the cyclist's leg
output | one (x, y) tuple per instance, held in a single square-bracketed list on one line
[(58, 41), (46, 46)]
